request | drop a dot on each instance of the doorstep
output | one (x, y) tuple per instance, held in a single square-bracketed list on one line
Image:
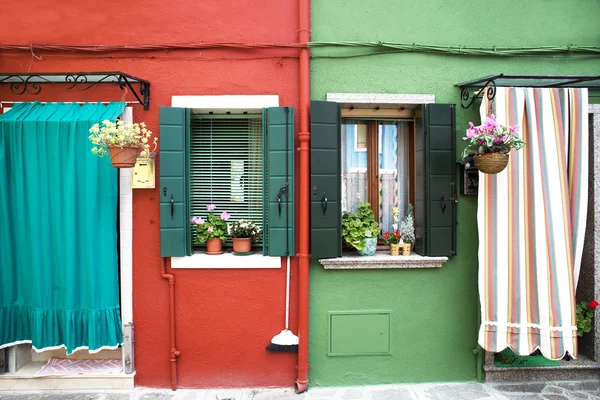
[(25, 379), (576, 370)]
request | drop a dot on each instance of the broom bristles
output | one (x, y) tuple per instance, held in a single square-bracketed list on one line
[(285, 341)]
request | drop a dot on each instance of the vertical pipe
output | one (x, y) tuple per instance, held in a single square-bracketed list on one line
[(304, 195), (173, 352)]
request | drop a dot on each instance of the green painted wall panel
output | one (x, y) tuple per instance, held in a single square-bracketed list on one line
[(359, 333), (434, 312)]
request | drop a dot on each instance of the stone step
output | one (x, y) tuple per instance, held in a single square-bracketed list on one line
[(579, 369), (25, 379)]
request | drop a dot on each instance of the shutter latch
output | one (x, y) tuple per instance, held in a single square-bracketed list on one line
[(282, 192)]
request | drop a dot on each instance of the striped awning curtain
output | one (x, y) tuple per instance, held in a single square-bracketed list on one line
[(531, 219)]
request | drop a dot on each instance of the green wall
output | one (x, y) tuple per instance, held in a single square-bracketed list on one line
[(434, 312)]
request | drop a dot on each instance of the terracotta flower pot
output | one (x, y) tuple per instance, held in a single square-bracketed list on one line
[(491, 163), (242, 245), (395, 249), (214, 246), (123, 157)]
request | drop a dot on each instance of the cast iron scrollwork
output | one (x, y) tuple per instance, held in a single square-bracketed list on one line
[(466, 100)]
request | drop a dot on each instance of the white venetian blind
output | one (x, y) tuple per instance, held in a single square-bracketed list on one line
[(227, 166)]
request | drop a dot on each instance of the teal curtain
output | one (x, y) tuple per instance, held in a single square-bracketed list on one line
[(59, 276)]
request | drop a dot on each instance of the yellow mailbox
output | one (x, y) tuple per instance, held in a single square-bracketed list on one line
[(143, 173)]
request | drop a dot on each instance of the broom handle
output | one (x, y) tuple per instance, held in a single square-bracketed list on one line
[(287, 294)]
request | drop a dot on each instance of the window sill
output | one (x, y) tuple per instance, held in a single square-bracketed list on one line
[(227, 260), (382, 260)]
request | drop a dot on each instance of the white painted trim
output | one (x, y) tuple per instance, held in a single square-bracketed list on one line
[(234, 103), (380, 99), (225, 261), (126, 235)]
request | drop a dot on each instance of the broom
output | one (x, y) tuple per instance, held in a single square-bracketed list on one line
[(285, 341)]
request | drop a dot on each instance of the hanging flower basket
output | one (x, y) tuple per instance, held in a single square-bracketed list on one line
[(491, 163), (123, 156)]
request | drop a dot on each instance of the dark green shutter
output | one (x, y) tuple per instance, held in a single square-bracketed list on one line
[(435, 208), (279, 180), (325, 185), (174, 182)]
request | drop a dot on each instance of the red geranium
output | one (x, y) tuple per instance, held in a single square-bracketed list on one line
[(593, 304), (389, 238)]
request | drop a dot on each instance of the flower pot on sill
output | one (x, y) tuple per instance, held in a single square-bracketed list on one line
[(242, 245), (491, 163), (395, 249), (214, 246), (406, 249), (123, 157), (370, 247)]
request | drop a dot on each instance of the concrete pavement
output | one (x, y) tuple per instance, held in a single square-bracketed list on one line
[(564, 390)]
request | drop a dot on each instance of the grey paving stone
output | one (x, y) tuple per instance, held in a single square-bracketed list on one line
[(521, 387), (392, 394), (578, 395), (116, 396), (524, 397), (321, 394), (354, 394), (555, 397), (274, 395), (70, 396), (457, 392), (156, 396), (581, 385), (551, 389)]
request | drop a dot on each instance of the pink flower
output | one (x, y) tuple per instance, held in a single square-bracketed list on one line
[(490, 123), (500, 139), (197, 220), (210, 229), (472, 131), (225, 216), (211, 207), (513, 129)]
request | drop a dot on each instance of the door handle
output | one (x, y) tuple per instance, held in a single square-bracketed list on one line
[(443, 203), (324, 204), (172, 208)]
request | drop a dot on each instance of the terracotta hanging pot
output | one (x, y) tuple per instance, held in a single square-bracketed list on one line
[(395, 249), (242, 245), (491, 163), (214, 246), (123, 157)]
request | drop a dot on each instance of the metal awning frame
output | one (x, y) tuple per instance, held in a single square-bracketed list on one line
[(489, 83), (21, 83)]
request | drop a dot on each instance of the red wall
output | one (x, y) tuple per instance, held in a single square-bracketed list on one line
[(224, 318)]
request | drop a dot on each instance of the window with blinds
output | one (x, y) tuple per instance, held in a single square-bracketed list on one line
[(226, 165)]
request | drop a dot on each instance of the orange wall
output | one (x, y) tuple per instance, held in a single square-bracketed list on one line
[(225, 318)]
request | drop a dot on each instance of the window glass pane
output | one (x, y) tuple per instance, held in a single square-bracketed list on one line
[(354, 165), (227, 167), (393, 172)]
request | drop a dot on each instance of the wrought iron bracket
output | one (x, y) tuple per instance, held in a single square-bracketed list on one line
[(468, 97), (32, 83), (486, 86)]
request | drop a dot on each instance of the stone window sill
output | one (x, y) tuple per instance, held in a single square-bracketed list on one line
[(227, 260), (382, 260)]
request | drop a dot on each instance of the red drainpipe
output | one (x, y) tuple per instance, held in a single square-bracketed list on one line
[(304, 196), (173, 353)]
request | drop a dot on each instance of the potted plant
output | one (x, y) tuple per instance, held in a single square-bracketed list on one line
[(360, 230), (407, 231), (490, 143), (123, 141), (242, 233), (212, 230), (393, 240), (585, 314)]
